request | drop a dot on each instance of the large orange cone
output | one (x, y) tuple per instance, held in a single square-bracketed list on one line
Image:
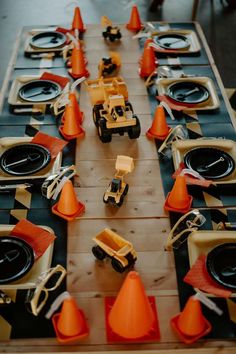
[(132, 315), (147, 62), (78, 67), (68, 207), (79, 115), (70, 324), (70, 127), (134, 22), (77, 21), (178, 199), (159, 129), (190, 324)]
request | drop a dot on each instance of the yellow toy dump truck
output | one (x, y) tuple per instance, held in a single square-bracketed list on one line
[(120, 251), (112, 32), (112, 112), (118, 189), (109, 66)]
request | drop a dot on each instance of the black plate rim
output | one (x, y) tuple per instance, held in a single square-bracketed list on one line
[(184, 102), (177, 35), (59, 90), (229, 158), (29, 252), (44, 34), (47, 156), (214, 276)]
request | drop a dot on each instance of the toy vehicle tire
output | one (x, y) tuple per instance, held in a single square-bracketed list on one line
[(126, 189), (96, 114), (117, 266), (121, 201), (104, 135), (135, 131), (98, 253)]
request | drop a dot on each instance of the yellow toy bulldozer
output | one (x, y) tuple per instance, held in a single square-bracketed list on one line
[(118, 189), (112, 32), (112, 112), (120, 251), (109, 66)]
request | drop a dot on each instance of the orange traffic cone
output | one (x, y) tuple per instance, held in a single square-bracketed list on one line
[(68, 207), (70, 127), (159, 129), (134, 22), (190, 324), (79, 115), (178, 199), (78, 67), (147, 62), (70, 324), (132, 316), (77, 21)]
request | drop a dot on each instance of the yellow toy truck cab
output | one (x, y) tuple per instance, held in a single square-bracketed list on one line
[(120, 251), (110, 65), (118, 189), (112, 32)]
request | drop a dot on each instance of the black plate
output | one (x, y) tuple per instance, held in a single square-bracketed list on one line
[(178, 90), (48, 40), (16, 258), (31, 158), (220, 261), (200, 158), (39, 91), (172, 41)]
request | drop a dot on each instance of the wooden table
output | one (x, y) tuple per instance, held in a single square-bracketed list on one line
[(141, 220)]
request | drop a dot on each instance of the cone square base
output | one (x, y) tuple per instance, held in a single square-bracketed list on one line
[(182, 211), (186, 338), (73, 136), (76, 76), (112, 337), (81, 209), (65, 339), (150, 135)]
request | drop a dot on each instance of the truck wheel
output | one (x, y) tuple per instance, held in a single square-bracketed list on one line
[(104, 134), (96, 115), (135, 131), (121, 200), (117, 266), (98, 252), (126, 189)]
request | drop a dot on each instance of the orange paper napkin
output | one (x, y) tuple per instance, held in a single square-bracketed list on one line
[(38, 238), (199, 278), (190, 179), (53, 144), (174, 104), (60, 80)]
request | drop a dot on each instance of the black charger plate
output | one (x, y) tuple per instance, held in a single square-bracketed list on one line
[(39, 91), (48, 40), (221, 259), (198, 158), (172, 41), (177, 91), (34, 158), (16, 258)]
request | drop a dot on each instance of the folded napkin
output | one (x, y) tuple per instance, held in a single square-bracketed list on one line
[(174, 104), (60, 80), (38, 238), (191, 179), (53, 144), (199, 278)]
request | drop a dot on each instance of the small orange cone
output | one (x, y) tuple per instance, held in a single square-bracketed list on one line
[(190, 324), (68, 207), (70, 127), (79, 115), (147, 62), (70, 324), (132, 315), (134, 22), (159, 129), (78, 67), (178, 199), (77, 21)]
